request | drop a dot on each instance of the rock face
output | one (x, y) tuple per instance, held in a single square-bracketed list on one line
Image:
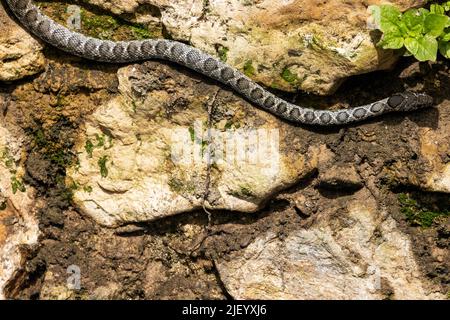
[(20, 54), (358, 253), (144, 154), (288, 45), (433, 173), (18, 224), (279, 211), (435, 146)]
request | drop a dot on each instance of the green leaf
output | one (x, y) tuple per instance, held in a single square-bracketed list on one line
[(424, 11), (390, 20), (445, 37), (446, 6), (414, 21), (444, 49), (434, 24), (423, 48), (391, 42), (435, 8)]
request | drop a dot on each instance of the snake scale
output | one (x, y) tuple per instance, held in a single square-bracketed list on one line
[(131, 51)]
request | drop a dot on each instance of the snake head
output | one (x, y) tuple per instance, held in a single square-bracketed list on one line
[(408, 101)]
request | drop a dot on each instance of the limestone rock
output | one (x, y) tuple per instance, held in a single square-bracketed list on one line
[(337, 177), (358, 254), (288, 45), (20, 54), (18, 225), (143, 155), (433, 147)]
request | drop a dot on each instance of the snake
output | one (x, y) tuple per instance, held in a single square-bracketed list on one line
[(31, 17)]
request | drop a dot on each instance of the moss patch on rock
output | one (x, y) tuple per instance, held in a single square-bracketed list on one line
[(96, 23), (420, 214)]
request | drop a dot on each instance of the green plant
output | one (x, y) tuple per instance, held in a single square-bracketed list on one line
[(288, 76), (421, 32), (102, 164), (417, 213), (140, 32), (17, 185), (249, 69), (89, 147), (223, 53)]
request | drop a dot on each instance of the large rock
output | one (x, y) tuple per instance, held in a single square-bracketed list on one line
[(143, 154), (358, 253), (435, 147), (20, 54), (432, 146), (18, 224), (300, 44)]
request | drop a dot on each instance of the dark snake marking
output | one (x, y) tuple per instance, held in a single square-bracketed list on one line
[(131, 51)]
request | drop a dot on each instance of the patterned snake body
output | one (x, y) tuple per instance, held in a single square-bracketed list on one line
[(131, 51)]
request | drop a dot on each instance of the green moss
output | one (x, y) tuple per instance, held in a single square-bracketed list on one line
[(89, 147), (98, 24), (223, 53), (140, 32), (288, 76), (59, 157), (192, 134), (204, 145), (102, 164), (17, 185), (40, 139), (228, 125), (61, 101), (100, 140), (175, 185), (179, 186), (55, 150), (243, 192), (322, 42), (134, 106), (275, 86), (87, 189), (73, 186), (417, 213), (249, 69), (8, 160)]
